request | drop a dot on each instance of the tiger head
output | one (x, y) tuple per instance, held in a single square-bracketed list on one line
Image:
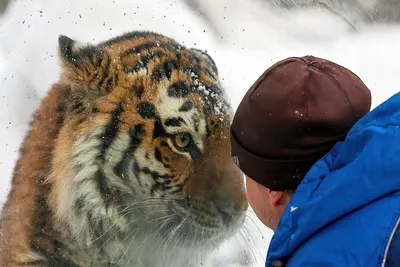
[(145, 144)]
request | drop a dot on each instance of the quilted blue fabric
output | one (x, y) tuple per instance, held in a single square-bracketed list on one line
[(345, 211)]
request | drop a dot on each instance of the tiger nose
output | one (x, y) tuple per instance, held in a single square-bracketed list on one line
[(228, 208)]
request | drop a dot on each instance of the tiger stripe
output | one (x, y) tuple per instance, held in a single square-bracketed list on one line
[(130, 146)]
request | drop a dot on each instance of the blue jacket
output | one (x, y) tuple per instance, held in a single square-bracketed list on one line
[(346, 211)]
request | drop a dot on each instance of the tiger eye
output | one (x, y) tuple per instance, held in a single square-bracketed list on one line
[(182, 140)]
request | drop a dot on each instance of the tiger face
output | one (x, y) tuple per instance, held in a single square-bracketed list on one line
[(144, 152)]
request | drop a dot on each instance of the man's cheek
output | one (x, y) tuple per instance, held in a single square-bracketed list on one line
[(252, 194)]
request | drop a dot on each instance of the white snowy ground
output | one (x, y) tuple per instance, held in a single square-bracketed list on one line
[(253, 37)]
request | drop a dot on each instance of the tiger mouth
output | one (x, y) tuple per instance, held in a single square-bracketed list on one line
[(208, 216)]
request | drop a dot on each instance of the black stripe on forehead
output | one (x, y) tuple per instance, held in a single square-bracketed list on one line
[(174, 122), (164, 69), (144, 61), (187, 106), (148, 45), (146, 110), (147, 57), (178, 90)]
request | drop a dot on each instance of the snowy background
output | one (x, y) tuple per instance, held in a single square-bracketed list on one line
[(243, 36)]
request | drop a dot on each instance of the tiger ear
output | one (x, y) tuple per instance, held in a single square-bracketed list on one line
[(81, 60), (83, 68), (206, 57)]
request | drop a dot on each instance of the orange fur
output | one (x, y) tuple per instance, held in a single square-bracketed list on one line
[(104, 138), (21, 210)]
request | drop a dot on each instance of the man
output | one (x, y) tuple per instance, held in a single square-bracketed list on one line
[(321, 170)]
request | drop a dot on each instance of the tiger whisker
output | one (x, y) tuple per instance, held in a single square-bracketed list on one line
[(255, 224), (249, 234), (92, 241), (137, 206), (180, 226), (162, 240), (191, 247), (127, 212), (133, 221), (120, 246), (174, 231), (123, 255), (122, 242), (254, 259), (146, 240)]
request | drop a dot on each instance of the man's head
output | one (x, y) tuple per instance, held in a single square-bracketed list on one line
[(291, 117)]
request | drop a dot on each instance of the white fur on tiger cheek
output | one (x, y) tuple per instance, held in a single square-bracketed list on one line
[(113, 156), (146, 180), (79, 183)]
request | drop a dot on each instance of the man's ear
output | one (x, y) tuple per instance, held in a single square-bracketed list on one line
[(275, 197)]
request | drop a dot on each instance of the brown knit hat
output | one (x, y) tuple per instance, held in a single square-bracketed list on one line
[(292, 116)]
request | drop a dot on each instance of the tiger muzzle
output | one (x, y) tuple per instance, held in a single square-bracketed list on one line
[(218, 183)]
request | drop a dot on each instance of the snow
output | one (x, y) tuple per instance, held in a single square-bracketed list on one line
[(245, 38)]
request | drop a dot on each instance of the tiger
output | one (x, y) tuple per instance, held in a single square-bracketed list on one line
[(126, 161)]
